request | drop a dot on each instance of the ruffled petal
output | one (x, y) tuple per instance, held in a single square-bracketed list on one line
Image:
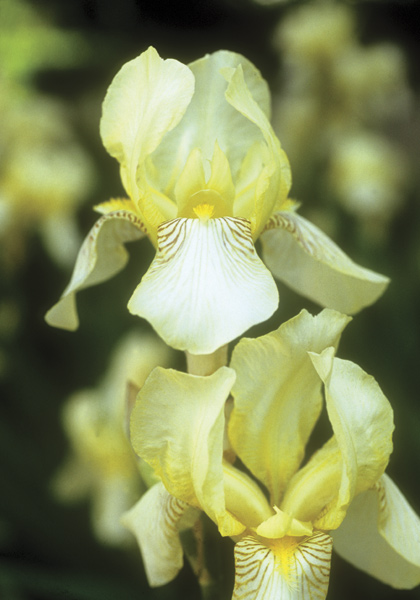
[(146, 99), (155, 521), (288, 568), (381, 536), (177, 426), (303, 257), (357, 455), (101, 256), (278, 392), (206, 285)]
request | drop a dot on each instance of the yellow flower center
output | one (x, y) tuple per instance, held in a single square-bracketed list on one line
[(284, 550), (204, 205), (204, 212)]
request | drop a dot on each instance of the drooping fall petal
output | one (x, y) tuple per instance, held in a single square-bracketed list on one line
[(289, 568), (101, 256), (381, 536), (155, 521), (206, 285), (307, 260)]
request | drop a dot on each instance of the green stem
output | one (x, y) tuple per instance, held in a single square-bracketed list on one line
[(201, 547)]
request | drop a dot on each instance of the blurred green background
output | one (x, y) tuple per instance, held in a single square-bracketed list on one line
[(67, 53)]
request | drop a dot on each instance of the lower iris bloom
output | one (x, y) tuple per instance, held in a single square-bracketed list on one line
[(284, 529)]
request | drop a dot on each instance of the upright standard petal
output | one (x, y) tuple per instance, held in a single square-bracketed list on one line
[(101, 256), (206, 285), (381, 536), (289, 568), (303, 257), (356, 457), (274, 182), (210, 118), (185, 448), (278, 392), (147, 98), (156, 521)]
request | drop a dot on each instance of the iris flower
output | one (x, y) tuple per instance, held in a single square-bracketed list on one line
[(206, 176), (101, 465), (284, 535)]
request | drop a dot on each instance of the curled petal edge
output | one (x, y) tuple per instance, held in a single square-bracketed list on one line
[(381, 536), (101, 256), (307, 260), (156, 521)]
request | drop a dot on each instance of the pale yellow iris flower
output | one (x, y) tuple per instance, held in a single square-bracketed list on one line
[(206, 176), (339, 495), (101, 464)]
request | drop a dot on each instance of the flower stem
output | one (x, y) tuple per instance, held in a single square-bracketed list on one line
[(201, 549)]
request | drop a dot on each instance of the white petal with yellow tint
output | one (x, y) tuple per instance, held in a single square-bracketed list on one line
[(206, 285), (155, 521), (277, 391), (275, 179), (287, 569), (362, 421), (355, 457), (210, 118), (101, 256), (381, 536), (303, 257), (146, 99), (177, 426)]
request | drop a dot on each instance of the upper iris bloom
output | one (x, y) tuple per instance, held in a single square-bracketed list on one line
[(206, 176)]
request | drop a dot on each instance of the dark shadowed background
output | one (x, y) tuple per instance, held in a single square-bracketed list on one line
[(47, 550)]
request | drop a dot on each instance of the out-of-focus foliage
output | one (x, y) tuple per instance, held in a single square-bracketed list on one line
[(45, 174), (355, 145), (341, 110), (102, 465)]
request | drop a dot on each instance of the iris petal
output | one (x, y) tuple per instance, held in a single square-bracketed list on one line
[(101, 256), (291, 569), (206, 285), (303, 257), (278, 392), (381, 536), (156, 520)]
